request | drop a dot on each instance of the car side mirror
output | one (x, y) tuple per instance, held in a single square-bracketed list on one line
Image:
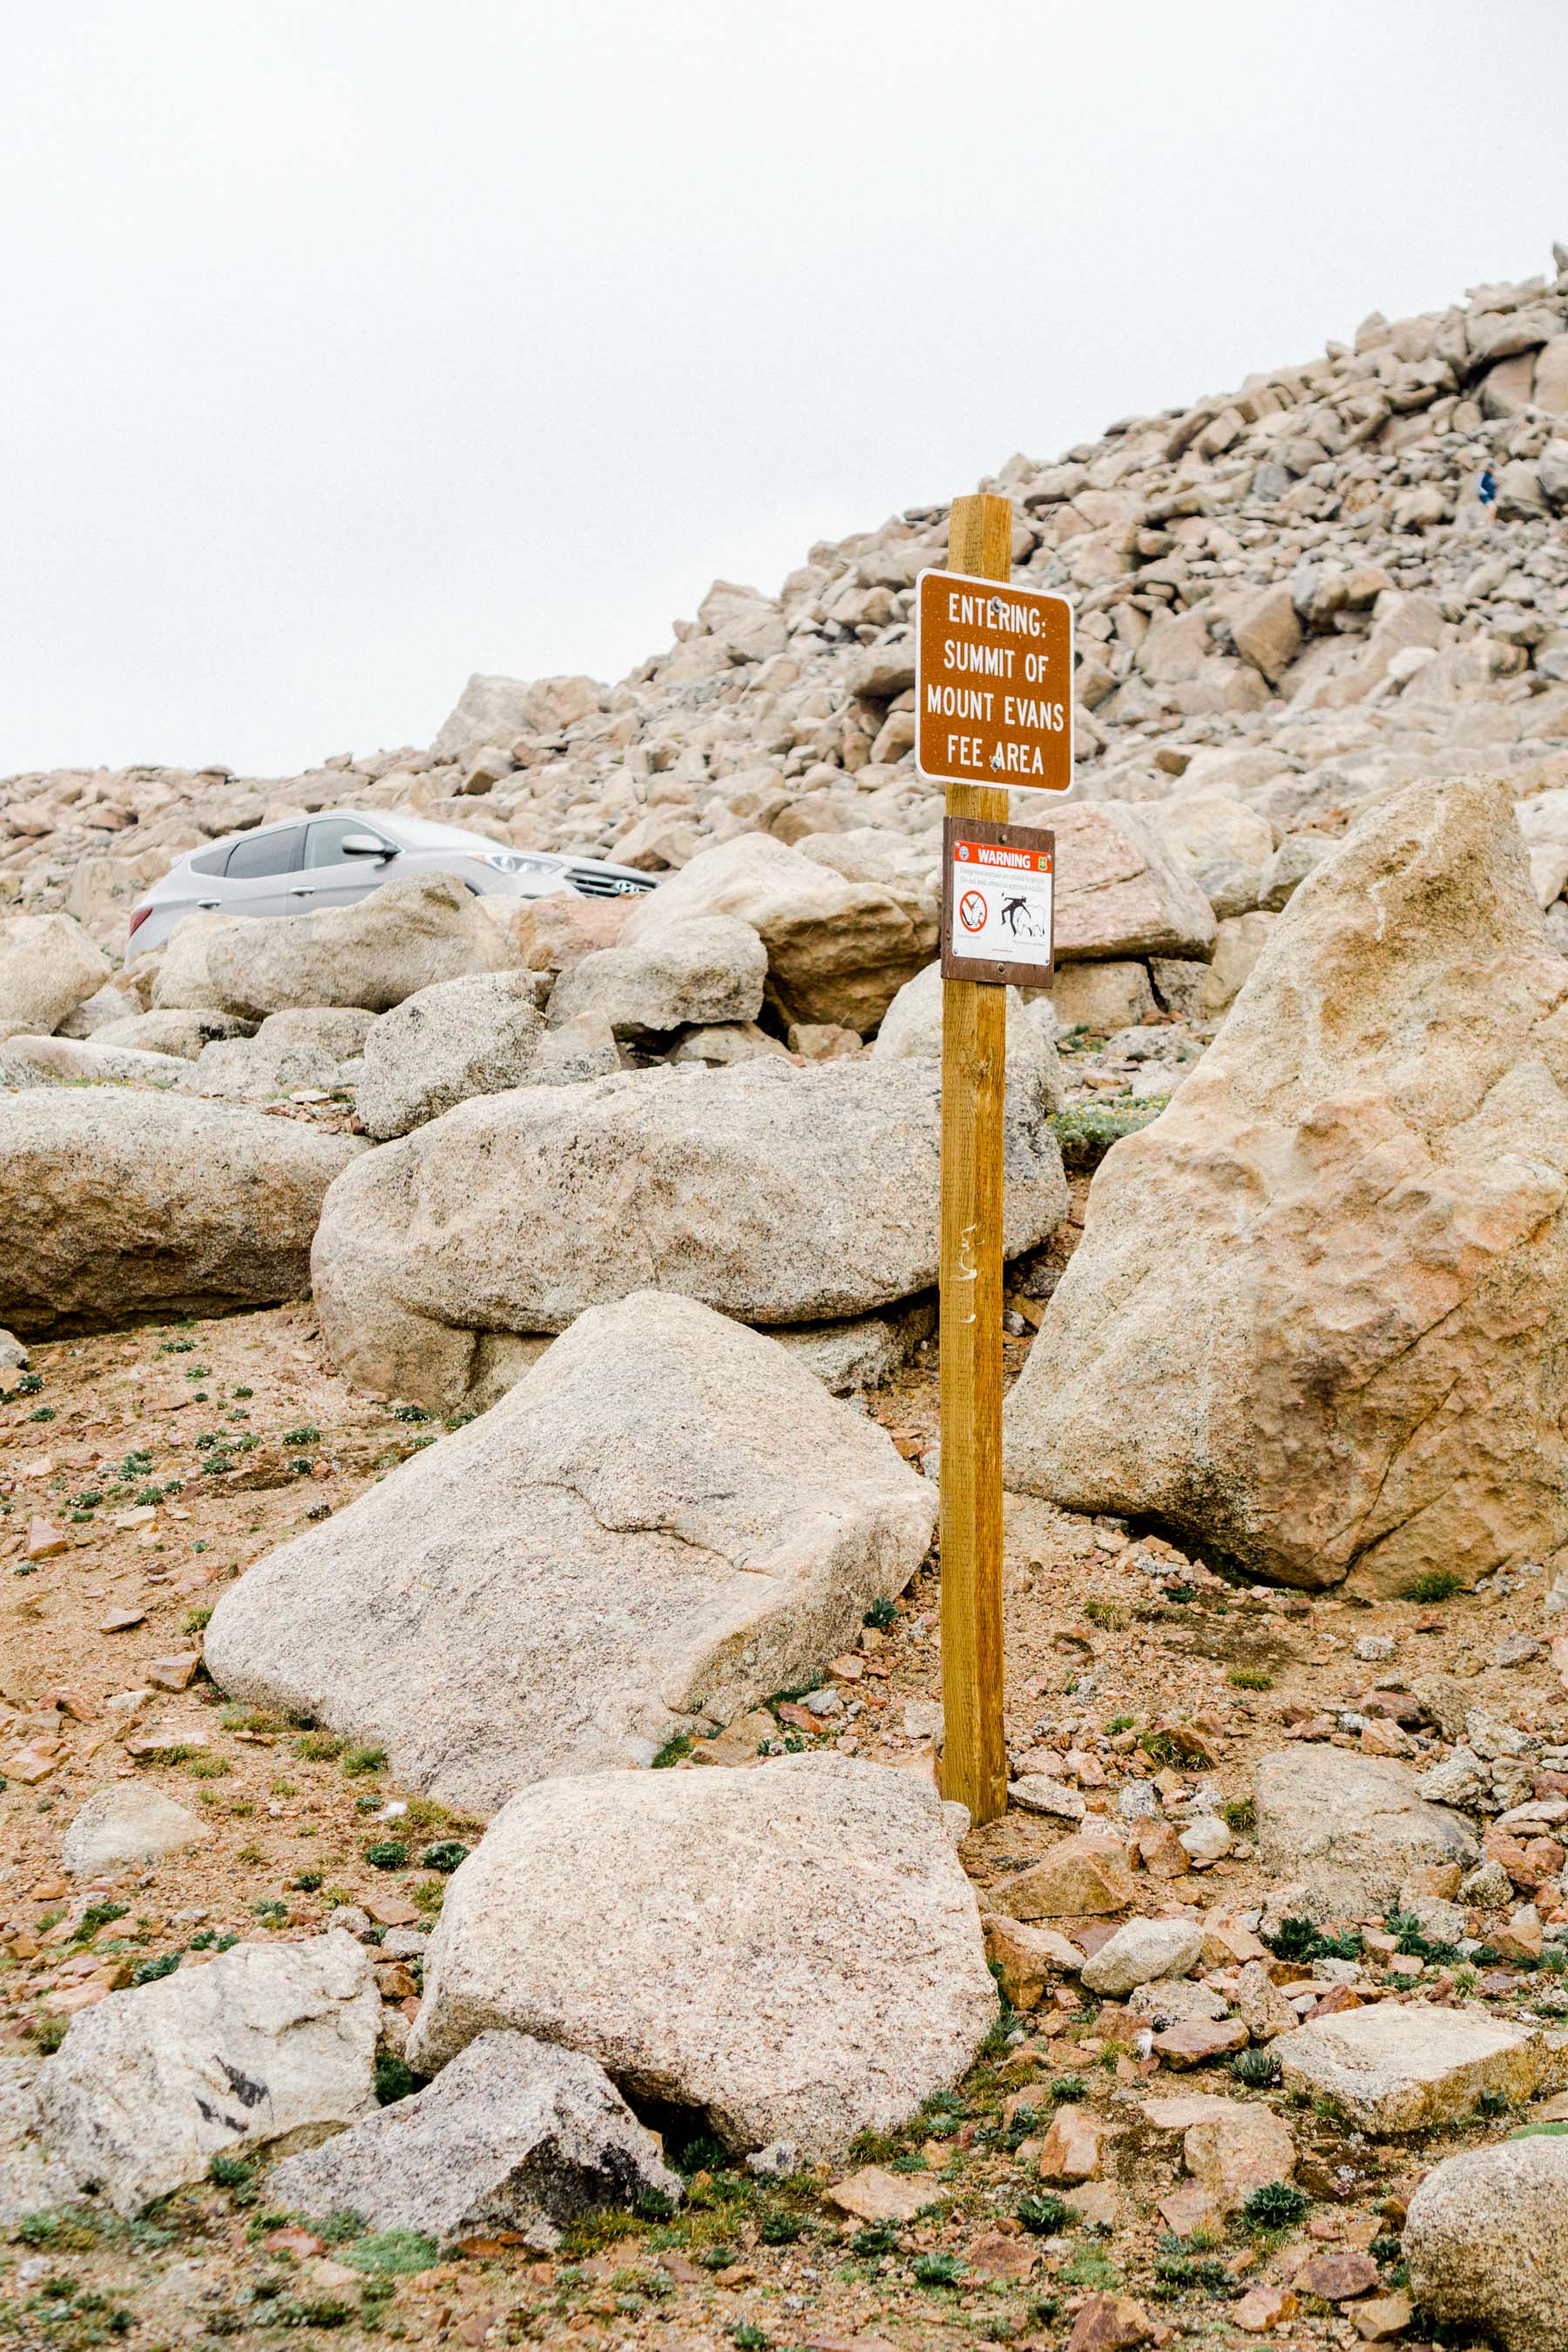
[(364, 844)]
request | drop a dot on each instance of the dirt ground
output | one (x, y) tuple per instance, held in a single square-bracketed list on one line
[(163, 1459)]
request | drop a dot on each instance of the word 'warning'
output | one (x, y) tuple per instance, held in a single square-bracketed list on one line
[(993, 683), (998, 902)]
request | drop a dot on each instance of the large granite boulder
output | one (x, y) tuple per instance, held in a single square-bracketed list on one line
[(1119, 892), (665, 1521), (30, 2182), (305, 1048), (748, 624), (128, 1825), (1487, 2242), (174, 978), (1395, 2067), (711, 969), (912, 1026), (180, 1032), (1222, 843), (461, 1037), (1318, 1320), (781, 1195), (793, 1952), (558, 931), (1350, 1828), (48, 965), (494, 709), (264, 2044), (115, 1204), (864, 1351), (114, 1001), (83, 1061), (413, 931)]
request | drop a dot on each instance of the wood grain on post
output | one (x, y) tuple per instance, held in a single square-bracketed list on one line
[(974, 1073)]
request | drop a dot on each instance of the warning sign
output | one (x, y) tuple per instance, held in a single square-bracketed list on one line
[(993, 683), (998, 902)]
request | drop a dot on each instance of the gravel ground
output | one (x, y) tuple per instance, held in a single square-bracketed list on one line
[(168, 1457)]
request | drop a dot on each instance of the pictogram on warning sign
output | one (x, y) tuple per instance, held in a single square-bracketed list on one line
[(998, 902)]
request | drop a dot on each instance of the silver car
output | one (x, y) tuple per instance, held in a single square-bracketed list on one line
[(334, 860)]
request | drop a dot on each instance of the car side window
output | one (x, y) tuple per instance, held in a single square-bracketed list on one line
[(267, 853), (325, 840)]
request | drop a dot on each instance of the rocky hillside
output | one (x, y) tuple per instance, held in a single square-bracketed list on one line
[(473, 1865), (1288, 594)]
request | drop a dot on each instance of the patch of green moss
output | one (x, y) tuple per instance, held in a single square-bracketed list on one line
[(1086, 1131)]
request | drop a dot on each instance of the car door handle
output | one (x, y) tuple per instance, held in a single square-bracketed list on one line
[(303, 891), (209, 906)]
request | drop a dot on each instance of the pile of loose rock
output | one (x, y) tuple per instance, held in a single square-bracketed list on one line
[(1289, 599)]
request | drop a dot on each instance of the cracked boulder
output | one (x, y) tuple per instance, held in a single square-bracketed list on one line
[(666, 1520), (1393, 2067), (712, 968), (263, 2045), (1349, 1829), (778, 1194), (1319, 1317), (1120, 890), (462, 1037)]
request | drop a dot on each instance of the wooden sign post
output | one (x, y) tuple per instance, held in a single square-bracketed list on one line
[(994, 691)]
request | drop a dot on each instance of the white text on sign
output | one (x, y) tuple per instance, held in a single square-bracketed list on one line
[(993, 683)]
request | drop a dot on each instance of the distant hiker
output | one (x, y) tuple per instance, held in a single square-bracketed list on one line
[(1486, 490)]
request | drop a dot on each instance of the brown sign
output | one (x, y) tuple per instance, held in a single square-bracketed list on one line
[(993, 683), (998, 902)]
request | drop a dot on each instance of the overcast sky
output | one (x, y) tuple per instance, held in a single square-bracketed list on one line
[(352, 346)]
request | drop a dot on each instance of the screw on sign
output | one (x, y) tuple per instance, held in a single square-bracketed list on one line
[(994, 709)]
